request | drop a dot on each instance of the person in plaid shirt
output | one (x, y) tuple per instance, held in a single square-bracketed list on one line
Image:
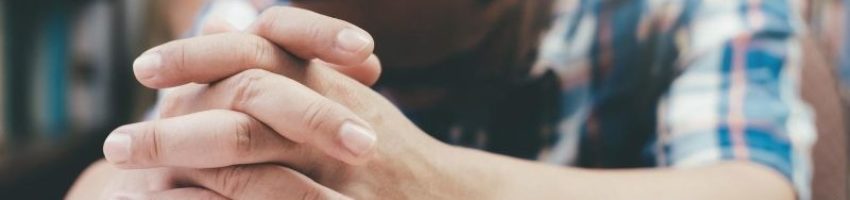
[(706, 90), (681, 84)]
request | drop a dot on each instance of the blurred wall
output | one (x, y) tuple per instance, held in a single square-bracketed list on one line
[(2, 80), (66, 81)]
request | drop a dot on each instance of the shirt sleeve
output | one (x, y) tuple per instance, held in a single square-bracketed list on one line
[(737, 96)]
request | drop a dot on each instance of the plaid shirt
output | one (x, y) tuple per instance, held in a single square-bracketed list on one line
[(680, 84)]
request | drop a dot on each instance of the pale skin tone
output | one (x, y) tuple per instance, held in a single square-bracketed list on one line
[(255, 115)]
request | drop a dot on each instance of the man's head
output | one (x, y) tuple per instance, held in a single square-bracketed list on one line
[(417, 33)]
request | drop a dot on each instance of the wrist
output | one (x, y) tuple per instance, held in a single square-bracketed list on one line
[(484, 175), (442, 171), (464, 173), (425, 168)]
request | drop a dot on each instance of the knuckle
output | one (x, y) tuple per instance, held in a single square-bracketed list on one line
[(254, 50), (177, 59), (267, 21), (311, 26), (262, 48), (244, 136), (321, 36), (183, 60), (318, 33), (245, 87), (154, 152), (174, 56), (315, 113), (234, 180)]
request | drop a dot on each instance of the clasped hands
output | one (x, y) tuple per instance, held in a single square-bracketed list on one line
[(281, 110)]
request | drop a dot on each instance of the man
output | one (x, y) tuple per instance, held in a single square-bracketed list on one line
[(704, 90)]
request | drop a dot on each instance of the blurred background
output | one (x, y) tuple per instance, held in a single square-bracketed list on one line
[(66, 78), (66, 81)]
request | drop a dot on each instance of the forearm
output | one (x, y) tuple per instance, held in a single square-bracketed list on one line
[(508, 178)]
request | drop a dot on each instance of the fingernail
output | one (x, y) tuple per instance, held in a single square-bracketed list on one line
[(358, 139), (147, 65), (116, 148), (351, 40)]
